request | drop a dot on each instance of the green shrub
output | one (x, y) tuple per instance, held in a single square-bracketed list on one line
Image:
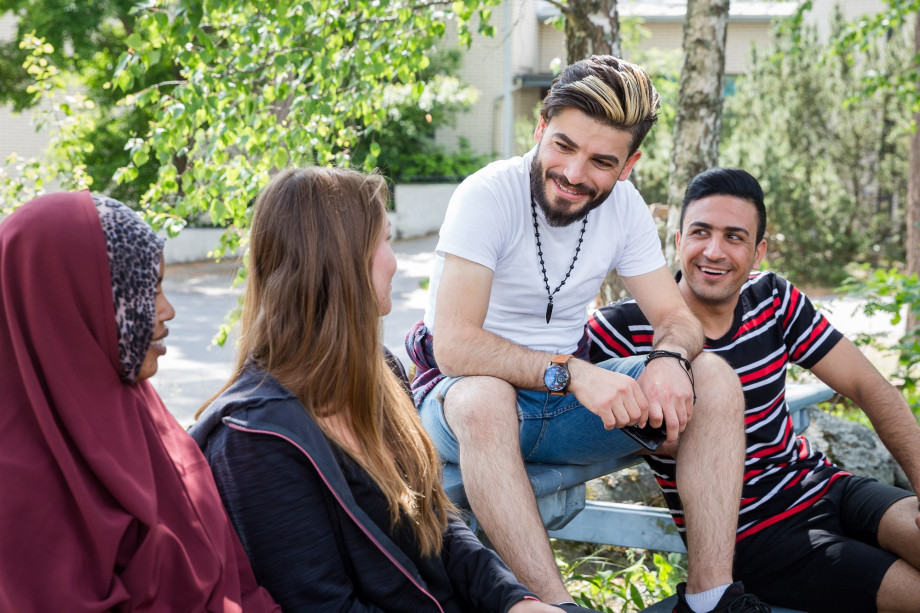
[(624, 583), (894, 293)]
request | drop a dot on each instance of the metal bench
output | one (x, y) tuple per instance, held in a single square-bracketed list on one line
[(567, 515)]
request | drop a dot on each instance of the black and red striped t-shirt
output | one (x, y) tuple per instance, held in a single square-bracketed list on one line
[(774, 324)]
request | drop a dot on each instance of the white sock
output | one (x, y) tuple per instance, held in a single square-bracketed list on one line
[(705, 601)]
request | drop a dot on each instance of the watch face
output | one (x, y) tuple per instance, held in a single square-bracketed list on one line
[(556, 377)]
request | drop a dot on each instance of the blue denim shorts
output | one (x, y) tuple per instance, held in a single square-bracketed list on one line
[(552, 429)]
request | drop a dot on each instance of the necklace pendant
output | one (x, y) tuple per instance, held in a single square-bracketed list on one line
[(549, 311)]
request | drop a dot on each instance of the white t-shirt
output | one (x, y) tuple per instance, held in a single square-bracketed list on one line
[(489, 221)]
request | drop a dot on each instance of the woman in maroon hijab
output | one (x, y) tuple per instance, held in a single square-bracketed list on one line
[(105, 502)]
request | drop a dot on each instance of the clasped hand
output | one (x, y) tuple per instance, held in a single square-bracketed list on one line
[(661, 395)]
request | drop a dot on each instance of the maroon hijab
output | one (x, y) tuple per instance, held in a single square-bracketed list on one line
[(105, 502)]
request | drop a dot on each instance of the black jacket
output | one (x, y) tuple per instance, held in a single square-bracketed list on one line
[(310, 544)]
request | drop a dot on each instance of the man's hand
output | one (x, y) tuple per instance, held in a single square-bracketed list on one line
[(532, 606), (617, 399), (669, 394)]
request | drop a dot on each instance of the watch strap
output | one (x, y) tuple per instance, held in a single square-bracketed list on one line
[(562, 358)]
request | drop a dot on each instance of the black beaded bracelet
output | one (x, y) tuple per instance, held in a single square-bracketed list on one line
[(684, 363)]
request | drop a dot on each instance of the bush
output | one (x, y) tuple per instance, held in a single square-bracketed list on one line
[(893, 292), (433, 163), (625, 582)]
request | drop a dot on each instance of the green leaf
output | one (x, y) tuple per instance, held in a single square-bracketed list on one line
[(134, 41), (281, 158), (635, 596), (122, 62), (124, 80)]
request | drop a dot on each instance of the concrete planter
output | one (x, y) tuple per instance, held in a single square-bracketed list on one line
[(420, 208), (192, 245)]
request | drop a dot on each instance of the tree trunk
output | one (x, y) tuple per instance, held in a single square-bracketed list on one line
[(913, 188), (592, 27), (699, 104)]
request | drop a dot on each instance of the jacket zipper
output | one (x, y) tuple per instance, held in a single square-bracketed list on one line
[(335, 494)]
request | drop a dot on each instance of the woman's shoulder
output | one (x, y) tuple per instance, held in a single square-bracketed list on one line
[(253, 386), (255, 395)]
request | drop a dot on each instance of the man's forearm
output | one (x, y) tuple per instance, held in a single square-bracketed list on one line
[(847, 371), (479, 352), (681, 332), (897, 428)]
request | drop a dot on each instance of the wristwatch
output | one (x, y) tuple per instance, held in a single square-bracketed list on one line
[(556, 376)]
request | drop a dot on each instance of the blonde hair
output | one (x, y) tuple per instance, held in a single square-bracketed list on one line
[(609, 90), (311, 319)]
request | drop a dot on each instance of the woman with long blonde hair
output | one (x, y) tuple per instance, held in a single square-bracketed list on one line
[(316, 448)]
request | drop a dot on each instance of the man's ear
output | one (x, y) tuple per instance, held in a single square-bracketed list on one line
[(538, 132), (628, 166), (759, 252), (677, 246)]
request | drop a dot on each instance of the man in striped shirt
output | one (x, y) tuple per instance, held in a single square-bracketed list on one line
[(810, 535)]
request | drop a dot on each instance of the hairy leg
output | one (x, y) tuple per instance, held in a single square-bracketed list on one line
[(900, 589), (899, 534), (710, 466), (482, 412)]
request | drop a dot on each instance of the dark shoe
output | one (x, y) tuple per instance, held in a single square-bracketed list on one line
[(734, 600)]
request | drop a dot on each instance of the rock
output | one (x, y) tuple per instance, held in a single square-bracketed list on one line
[(854, 448), (635, 485)]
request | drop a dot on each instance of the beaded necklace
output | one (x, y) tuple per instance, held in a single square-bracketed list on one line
[(536, 231)]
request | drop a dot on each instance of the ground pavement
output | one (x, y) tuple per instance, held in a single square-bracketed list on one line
[(193, 368)]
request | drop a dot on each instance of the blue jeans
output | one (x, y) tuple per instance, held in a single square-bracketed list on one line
[(552, 429)]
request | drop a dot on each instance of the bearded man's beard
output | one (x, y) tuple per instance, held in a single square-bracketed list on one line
[(554, 216)]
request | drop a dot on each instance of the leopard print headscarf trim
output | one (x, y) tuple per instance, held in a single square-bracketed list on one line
[(134, 252)]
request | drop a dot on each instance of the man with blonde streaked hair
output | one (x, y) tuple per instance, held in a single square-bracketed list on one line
[(501, 353)]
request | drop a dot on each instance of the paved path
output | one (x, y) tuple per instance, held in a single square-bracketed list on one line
[(193, 368)]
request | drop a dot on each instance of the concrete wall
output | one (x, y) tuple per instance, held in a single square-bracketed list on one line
[(420, 208), (484, 66), (192, 245), (16, 131)]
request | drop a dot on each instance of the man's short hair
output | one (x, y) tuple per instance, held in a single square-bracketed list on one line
[(727, 182), (609, 90)]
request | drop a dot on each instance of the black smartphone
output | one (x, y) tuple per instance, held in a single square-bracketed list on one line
[(649, 437)]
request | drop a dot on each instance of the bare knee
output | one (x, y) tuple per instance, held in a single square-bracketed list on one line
[(898, 531), (479, 406), (899, 589), (718, 389)]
